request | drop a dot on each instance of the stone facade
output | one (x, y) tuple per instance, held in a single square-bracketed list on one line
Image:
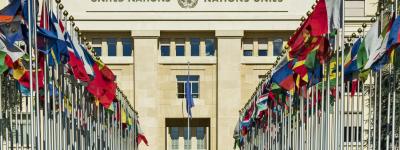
[(227, 79)]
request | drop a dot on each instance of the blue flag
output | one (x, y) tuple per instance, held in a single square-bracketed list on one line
[(189, 98)]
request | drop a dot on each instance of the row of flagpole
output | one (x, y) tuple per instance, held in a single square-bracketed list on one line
[(321, 117), (63, 115)]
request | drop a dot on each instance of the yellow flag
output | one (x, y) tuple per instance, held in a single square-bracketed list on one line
[(123, 116), (19, 71)]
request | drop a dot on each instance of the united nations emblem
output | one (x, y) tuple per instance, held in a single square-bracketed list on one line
[(187, 3)]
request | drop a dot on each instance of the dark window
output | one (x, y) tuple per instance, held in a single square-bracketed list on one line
[(127, 46), (352, 134), (165, 47), (210, 48), (278, 43), (165, 50), (247, 52), (180, 47), (112, 46), (188, 142), (263, 47), (96, 44), (248, 47), (262, 52), (97, 51), (194, 81), (180, 50), (200, 135), (195, 46), (175, 137)]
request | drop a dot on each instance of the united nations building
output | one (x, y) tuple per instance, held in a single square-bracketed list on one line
[(224, 47)]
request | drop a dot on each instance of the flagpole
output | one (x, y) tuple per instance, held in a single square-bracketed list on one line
[(45, 142), (1, 113), (394, 89), (187, 106), (342, 46)]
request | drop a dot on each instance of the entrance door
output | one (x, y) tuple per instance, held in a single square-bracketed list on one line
[(180, 137)]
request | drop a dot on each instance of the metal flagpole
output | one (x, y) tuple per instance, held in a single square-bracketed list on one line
[(388, 112), (394, 90), (327, 106), (45, 142), (347, 118), (30, 44), (323, 117), (336, 119), (302, 120), (188, 119), (342, 47), (375, 127), (380, 110), (1, 113), (359, 118)]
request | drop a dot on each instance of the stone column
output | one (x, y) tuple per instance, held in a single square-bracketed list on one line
[(229, 88), (146, 87)]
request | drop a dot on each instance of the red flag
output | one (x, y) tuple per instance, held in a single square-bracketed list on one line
[(315, 25), (102, 88), (24, 80), (77, 67), (354, 87)]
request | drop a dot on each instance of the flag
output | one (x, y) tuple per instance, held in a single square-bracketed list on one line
[(334, 10), (102, 88), (123, 116), (59, 52), (315, 25), (11, 50), (8, 13), (284, 75), (371, 43), (189, 98), (80, 53), (301, 71), (76, 63), (24, 80), (140, 135), (18, 70), (375, 56), (394, 40), (350, 65), (261, 104), (12, 31), (3, 65)]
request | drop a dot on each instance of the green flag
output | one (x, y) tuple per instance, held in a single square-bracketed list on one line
[(3, 65), (370, 43)]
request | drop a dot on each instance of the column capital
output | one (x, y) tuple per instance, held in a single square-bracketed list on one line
[(229, 33), (145, 33)]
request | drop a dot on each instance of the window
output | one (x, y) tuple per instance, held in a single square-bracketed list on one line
[(248, 47), (262, 47), (194, 84), (210, 49), (165, 47), (352, 134), (195, 46), (126, 47), (174, 138), (247, 53), (200, 136), (23, 132), (180, 47), (278, 43), (112, 46), (188, 139), (96, 44), (177, 136)]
